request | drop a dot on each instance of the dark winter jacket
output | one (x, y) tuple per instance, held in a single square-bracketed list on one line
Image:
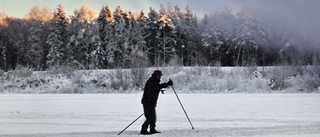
[(152, 90)]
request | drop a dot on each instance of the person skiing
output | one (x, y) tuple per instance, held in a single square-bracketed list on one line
[(149, 101)]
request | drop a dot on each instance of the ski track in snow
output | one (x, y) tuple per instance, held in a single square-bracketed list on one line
[(216, 115)]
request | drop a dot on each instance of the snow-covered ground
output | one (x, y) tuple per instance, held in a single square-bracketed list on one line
[(282, 79), (95, 115)]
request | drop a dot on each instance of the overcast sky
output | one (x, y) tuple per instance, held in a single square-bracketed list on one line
[(19, 8), (294, 8), (299, 10)]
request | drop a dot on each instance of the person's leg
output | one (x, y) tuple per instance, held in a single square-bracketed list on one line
[(148, 115), (153, 121)]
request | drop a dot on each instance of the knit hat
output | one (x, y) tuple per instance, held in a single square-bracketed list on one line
[(157, 72)]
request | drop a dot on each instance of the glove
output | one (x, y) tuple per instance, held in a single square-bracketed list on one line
[(170, 83)]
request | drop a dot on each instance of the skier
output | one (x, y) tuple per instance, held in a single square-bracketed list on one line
[(149, 101)]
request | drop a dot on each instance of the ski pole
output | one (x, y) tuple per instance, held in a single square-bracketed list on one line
[(131, 124), (182, 107)]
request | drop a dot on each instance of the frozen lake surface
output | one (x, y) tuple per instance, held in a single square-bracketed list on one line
[(104, 115)]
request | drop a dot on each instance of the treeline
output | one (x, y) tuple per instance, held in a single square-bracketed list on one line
[(170, 36)]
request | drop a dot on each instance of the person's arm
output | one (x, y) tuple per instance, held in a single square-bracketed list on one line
[(164, 85)]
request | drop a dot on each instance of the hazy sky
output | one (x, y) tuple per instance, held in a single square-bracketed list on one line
[(293, 8), (19, 8)]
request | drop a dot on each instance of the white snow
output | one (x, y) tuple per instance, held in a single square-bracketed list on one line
[(286, 79), (97, 115)]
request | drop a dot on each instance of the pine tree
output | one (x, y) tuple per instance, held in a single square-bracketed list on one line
[(97, 56), (160, 39), (166, 38), (38, 29), (77, 46), (218, 35), (192, 39), (43, 15), (84, 39), (141, 17), (106, 35), (151, 37), (120, 44), (3, 51), (139, 43), (60, 23), (55, 55), (3, 17), (122, 39), (85, 14), (244, 39), (3, 56), (3, 48), (17, 33), (45, 32), (35, 49), (135, 31), (57, 39)]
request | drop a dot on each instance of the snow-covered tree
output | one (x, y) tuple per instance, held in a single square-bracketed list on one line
[(35, 45), (45, 32), (177, 17), (246, 41), (3, 51), (86, 14), (120, 45), (141, 17), (3, 17), (3, 47), (3, 56), (60, 23), (165, 36), (123, 39), (57, 39), (218, 35), (77, 46), (135, 31), (316, 57), (55, 55), (83, 39), (96, 55), (38, 22), (40, 14), (151, 37), (106, 33), (192, 39), (16, 33)]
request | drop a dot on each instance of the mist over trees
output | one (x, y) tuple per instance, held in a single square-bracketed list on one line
[(115, 38)]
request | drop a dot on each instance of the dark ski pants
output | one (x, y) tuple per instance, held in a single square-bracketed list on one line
[(151, 116)]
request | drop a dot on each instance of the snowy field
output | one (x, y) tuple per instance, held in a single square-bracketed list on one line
[(104, 115), (282, 79)]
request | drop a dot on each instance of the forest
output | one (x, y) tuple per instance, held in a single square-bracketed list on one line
[(172, 36)]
